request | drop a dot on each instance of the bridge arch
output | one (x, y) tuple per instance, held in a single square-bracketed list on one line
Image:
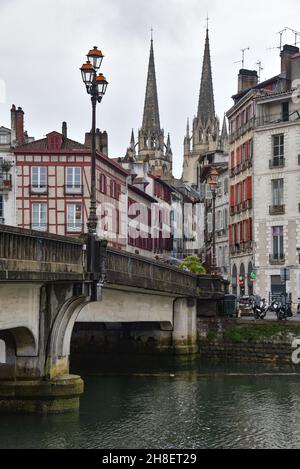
[(7, 355), (2, 352), (60, 337)]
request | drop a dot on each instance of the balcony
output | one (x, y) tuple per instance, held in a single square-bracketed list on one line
[(232, 211), (274, 119), (6, 183), (75, 227), (277, 163), (278, 259), (39, 226), (247, 205), (73, 190), (277, 210), (38, 190), (242, 130), (221, 233)]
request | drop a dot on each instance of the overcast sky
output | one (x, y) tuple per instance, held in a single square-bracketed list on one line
[(43, 43)]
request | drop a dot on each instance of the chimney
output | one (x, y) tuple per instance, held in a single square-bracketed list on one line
[(13, 124), (104, 143), (286, 55), (64, 130), (98, 140), (20, 126), (88, 139), (247, 79)]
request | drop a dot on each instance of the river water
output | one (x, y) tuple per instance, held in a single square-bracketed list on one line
[(166, 406)]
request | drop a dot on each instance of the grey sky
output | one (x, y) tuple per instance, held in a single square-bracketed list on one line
[(43, 43)]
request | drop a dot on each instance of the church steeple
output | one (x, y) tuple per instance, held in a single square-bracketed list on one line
[(206, 105), (151, 121)]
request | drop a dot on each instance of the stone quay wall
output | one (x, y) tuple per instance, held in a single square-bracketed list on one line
[(242, 341)]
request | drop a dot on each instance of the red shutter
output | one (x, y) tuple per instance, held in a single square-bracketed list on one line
[(236, 194), (238, 157), (232, 162), (230, 235), (247, 230), (247, 150), (241, 232), (232, 189), (250, 230), (241, 192), (249, 188)]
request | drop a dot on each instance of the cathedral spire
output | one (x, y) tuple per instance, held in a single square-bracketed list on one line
[(224, 133), (206, 106), (151, 122), (132, 141)]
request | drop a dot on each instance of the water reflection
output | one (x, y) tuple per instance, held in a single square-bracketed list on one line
[(198, 408)]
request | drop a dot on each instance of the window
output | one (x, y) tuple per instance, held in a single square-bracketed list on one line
[(209, 223), (73, 178), (278, 150), (1, 210), (225, 218), (277, 192), (286, 111), (39, 217), (4, 139), (113, 189), (102, 183), (39, 179), (74, 218), (226, 186), (278, 248)]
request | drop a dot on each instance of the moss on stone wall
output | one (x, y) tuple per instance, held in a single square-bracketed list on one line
[(239, 334)]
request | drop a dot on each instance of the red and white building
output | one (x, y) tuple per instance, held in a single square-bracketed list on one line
[(53, 194)]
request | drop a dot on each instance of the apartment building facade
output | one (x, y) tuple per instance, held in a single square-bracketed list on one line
[(10, 138), (277, 192), (245, 155)]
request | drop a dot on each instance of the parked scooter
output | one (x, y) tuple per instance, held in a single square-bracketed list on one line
[(282, 309), (259, 307)]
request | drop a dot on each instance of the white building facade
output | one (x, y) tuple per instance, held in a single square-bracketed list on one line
[(276, 187)]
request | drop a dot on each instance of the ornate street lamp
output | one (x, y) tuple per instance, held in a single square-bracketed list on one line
[(213, 181), (96, 86)]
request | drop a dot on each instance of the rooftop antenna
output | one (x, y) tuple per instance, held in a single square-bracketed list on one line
[(243, 57), (280, 44), (260, 69), (296, 33)]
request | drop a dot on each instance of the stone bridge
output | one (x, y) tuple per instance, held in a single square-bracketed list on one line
[(44, 291)]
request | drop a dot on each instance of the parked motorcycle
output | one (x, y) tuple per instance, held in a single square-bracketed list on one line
[(259, 307), (282, 309)]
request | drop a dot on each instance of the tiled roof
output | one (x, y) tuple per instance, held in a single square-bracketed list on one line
[(67, 144)]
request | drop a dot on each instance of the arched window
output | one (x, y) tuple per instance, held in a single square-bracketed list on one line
[(250, 281), (242, 280), (234, 280), (2, 351)]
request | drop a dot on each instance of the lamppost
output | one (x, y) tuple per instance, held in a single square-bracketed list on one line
[(212, 181), (96, 86)]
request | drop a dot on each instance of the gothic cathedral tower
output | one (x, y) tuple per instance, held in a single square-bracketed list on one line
[(151, 146), (206, 126)]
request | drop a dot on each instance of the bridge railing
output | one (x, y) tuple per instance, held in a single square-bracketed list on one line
[(129, 269), (26, 251)]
